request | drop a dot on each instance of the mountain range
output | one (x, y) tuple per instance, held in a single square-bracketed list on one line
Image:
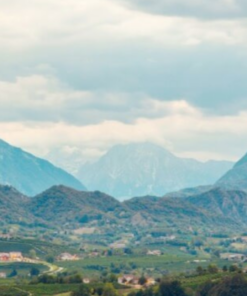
[(147, 169), (61, 207), (29, 174), (216, 207), (236, 178)]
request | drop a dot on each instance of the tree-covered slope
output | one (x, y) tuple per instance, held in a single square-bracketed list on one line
[(12, 207), (61, 204), (236, 178)]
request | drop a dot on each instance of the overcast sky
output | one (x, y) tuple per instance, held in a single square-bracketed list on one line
[(77, 77)]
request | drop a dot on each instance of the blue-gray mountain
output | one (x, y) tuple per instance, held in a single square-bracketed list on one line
[(29, 174), (142, 169), (236, 178)]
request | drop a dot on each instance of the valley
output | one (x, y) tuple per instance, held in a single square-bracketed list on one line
[(69, 237)]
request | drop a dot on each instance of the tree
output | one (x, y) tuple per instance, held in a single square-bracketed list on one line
[(99, 291), (13, 273), (82, 291), (171, 288), (34, 271), (217, 253), (212, 268), (236, 285), (142, 280), (200, 270), (225, 268), (109, 290), (50, 259), (32, 254), (233, 268), (128, 251), (112, 278), (75, 279), (205, 289)]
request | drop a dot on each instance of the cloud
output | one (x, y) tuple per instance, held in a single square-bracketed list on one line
[(42, 24), (68, 126), (180, 127), (104, 47), (205, 9), (78, 77), (45, 99)]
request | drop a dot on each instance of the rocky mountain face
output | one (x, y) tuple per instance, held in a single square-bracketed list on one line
[(236, 178), (29, 174), (147, 169)]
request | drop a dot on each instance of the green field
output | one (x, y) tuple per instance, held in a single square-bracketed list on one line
[(153, 264), (22, 268), (41, 248)]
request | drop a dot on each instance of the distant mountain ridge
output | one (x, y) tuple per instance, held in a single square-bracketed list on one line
[(236, 178), (29, 174), (148, 169)]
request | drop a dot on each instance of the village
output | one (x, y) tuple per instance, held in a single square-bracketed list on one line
[(12, 257)]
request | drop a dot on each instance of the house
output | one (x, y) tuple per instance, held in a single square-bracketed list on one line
[(134, 281), (4, 257), (128, 280), (154, 252), (150, 282), (233, 257), (67, 257), (94, 254), (86, 281), (15, 256), (3, 275), (237, 257), (118, 245), (5, 236)]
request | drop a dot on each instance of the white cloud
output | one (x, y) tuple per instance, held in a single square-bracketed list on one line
[(185, 130), (52, 120), (208, 9), (101, 44), (43, 98), (45, 24)]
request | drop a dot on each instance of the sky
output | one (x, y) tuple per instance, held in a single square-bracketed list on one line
[(77, 77)]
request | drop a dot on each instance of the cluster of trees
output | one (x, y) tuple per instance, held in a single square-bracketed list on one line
[(211, 269), (34, 271), (58, 279), (107, 290), (165, 288), (231, 285)]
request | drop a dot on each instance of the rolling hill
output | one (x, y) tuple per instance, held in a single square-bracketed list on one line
[(231, 204), (12, 207), (66, 208), (61, 204)]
